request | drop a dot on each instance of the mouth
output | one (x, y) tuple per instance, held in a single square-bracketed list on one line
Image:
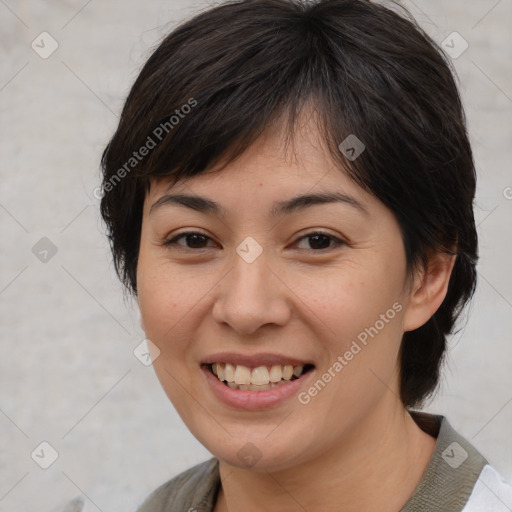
[(260, 378)]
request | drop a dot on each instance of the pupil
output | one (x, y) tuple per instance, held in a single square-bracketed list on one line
[(316, 237), (196, 238)]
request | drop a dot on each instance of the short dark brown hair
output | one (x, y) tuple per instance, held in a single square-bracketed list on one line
[(218, 81)]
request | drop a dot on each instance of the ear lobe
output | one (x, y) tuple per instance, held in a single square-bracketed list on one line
[(429, 290)]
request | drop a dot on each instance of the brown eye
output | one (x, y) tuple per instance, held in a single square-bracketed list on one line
[(321, 241), (193, 240)]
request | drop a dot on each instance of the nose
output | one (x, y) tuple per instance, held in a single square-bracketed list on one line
[(252, 295)]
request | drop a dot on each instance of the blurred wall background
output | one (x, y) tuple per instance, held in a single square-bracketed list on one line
[(68, 375)]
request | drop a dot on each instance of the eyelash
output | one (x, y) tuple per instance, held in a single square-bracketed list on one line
[(173, 241)]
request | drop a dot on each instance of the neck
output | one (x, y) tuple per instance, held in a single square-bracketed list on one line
[(375, 468)]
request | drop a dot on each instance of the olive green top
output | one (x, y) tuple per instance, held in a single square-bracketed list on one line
[(446, 484)]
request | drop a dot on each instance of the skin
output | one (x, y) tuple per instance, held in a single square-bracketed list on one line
[(354, 446)]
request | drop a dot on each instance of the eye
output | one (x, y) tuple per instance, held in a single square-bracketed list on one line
[(192, 237), (321, 241)]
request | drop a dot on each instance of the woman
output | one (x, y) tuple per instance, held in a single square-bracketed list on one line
[(255, 131)]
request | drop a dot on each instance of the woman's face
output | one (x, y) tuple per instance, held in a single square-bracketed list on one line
[(320, 284)]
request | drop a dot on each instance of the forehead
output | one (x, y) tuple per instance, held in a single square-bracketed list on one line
[(276, 163), (266, 188)]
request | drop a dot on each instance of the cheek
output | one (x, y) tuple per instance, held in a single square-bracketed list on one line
[(361, 313), (173, 301), (164, 307), (160, 309), (351, 297), (164, 294)]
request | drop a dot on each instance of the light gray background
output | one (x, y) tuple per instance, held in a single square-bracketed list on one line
[(68, 374)]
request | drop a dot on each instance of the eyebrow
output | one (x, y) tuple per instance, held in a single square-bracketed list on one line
[(281, 208)]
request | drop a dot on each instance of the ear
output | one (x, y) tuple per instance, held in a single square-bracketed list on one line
[(428, 290)]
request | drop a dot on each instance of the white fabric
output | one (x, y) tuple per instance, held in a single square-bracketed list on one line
[(490, 494)]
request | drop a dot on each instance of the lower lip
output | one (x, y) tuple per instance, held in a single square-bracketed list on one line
[(253, 400)]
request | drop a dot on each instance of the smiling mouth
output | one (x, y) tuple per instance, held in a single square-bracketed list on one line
[(261, 378)]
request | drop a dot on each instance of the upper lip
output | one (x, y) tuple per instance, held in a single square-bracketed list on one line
[(254, 360)]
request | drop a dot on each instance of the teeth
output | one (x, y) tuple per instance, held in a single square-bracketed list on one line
[(255, 387), (242, 375), (260, 376), (287, 372), (276, 373), (229, 372), (259, 379)]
